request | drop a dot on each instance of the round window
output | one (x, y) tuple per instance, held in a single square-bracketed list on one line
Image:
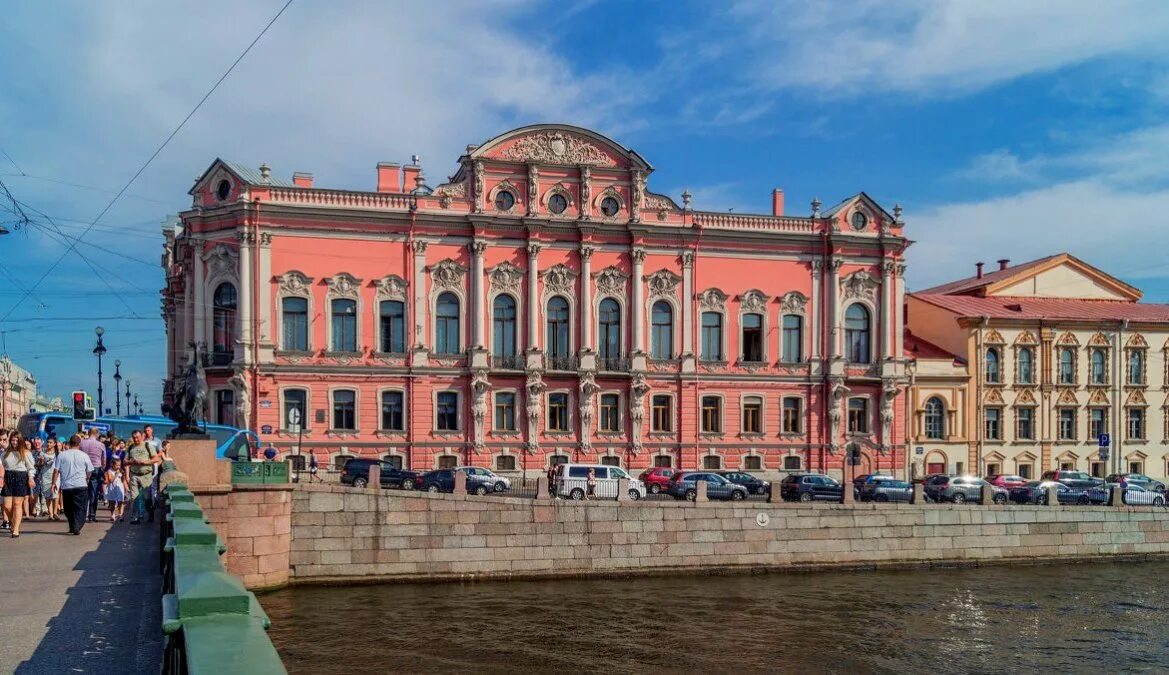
[(223, 189), (859, 220), (557, 203), (609, 206), (504, 200)]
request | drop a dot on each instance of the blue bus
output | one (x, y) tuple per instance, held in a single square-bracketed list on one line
[(231, 443)]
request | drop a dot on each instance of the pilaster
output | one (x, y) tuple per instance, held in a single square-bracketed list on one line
[(637, 302), (420, 355), (688, 362)]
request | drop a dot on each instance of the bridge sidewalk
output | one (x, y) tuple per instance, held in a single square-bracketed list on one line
[(85, 604)]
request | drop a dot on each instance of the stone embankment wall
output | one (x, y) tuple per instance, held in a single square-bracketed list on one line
[(342, 534)]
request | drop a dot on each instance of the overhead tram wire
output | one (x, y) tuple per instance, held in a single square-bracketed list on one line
[(78, 185), (12, 161), (147, 163)]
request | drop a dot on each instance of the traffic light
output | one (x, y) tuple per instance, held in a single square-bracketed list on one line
[(81, 409)]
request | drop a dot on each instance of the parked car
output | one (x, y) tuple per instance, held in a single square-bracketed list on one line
[(1139, 496), (498, 483), (1035, 492), (1075, 479), (885, 490), (961, 489), (684, 485), (860, 480), (1007, 481), (754, 484), (356, 473), (443, 480), (1137, 479), (572, 481), (806, 487), (657, 478)]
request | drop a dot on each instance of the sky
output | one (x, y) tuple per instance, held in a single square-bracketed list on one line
[(1005, 128)]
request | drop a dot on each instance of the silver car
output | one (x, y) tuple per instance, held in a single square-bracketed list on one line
[(498, 483)]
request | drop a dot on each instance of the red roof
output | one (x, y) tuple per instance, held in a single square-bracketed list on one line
[(919, 348), (1028, 308), (974, 283)]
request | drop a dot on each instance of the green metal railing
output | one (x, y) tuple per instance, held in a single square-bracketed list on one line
[(253, 473), (211, 622)]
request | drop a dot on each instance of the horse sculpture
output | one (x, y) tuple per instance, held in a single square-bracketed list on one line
[(190, 397)]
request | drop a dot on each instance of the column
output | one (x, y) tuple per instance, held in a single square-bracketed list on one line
[(532, 311), (245, 296), (815, 311), (899, 309), (419, 294), (638, 300), (478, 248), (199, 323), (887, 309), (830, 326), (264, 303), (586, 297), (687, 303)]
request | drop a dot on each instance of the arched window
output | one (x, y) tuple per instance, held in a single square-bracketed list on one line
[(223, 318), (752, 337), (1067, 366), (1136, 367), (857, 327), (609, 330), (344, 325), (1099, 370), (503, 342), (556, 345), (392, 314), (1026, 366), (295, 312), (994, 370), (793, 339), (935, 419), (712, 336), (662, 331), (446, 324)]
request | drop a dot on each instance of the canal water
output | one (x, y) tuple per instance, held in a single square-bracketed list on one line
[(1060, 618)]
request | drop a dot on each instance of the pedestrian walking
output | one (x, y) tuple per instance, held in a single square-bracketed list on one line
[(116, 487), (312, 467), (591, 485), (72, 471), (46, 494), (4, 434), (156, 445), (19, 469), (96, 451), (30, 502), (141, 460), (552, 481)]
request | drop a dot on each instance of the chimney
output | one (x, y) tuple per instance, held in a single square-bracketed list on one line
[(978, 266), (777, 202), (389, 178), (410, 174), (1004, 263), (301, 179)]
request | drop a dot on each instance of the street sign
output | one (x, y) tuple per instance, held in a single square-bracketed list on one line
[(266, 429), (101, 427), (265, 403), (919, 450), (1103, 454), (1105, 441)]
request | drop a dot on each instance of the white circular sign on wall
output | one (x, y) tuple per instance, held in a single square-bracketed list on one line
[(762, 519)]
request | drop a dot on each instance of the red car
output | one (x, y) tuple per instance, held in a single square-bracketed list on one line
[(1007, 481), (657, 479)]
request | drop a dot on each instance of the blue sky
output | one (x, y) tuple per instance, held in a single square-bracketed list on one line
[(1005, 128)]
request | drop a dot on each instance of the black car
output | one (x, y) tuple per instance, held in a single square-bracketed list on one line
[(807, 487), (754, 485), (443, 480), (356, 473)]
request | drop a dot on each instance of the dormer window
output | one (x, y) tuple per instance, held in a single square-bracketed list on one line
[(223, 190), (557, 203), (859, 220), (610, 206), (504, 200)]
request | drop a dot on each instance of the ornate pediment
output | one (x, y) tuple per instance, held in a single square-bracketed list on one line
[(663, 283), (994, 338), (294, 282), (1137, 341), (1026, 338), (392, 286), (859, 285), (557, 147), (506, 277), (1068, 339), (1026, 397), (611, 281), (343, 285), (753, 301), (447, 274), (222, 261), (793, 302), (712, 299), (1098, 398), (558, 279), (1099, 340), (1135, 398), (1067, 397), (993, 397)]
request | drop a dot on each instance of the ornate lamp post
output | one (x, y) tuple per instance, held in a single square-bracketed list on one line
[(127, 395), (118, 386), (99, 351)]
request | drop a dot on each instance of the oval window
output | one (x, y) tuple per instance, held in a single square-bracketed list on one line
[(609, 206), (859, 221), (557, 203), (504, 200), (223, 189)]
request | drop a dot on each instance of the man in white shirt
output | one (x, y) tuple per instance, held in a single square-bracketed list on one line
[(72, 470)]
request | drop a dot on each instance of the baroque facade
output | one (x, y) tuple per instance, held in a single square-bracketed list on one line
[(1049, 356), (540, 306)]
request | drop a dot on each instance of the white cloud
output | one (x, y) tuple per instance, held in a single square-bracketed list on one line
[(999, 166)]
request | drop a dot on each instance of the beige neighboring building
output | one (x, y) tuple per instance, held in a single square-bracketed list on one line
[(937, 431), (18, 392), (1060, 354)]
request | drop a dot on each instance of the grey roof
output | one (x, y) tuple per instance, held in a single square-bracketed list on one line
[(253, 177), (860, 195)]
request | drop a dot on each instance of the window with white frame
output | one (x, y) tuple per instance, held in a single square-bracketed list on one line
[(994, 367), (392, 322), (446, 411), (294, 313), (556, 344), (393, 411), (344, 320), (505, 463), (1097, 422), (662, 330), (1067, 365), (505, 411), (503, 310), (1136, 367), (857, 334), (712, 336), (296, 399), (994, 423), (1025, 366), (662, 413), (712, 414), (609, 330), (610, 413), (792, 463), (712, 463), (793, 415), (935, 419), (345, 410), (1066, 424), (752, 415), (858, 415), (1136, 424), (752, 463), (752, 328), (1025, 424), (446, 324), (793, 338), (558, 412), (1098, 367)]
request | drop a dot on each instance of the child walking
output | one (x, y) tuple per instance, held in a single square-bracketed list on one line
[(116, 488)]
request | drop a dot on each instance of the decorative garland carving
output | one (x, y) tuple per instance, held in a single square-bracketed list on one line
[(557, 148), (1137, 341), (558, 279), (859, 284), (222, 261), (392, 286), (1026, 338), (712, 299), (506, 277), (793, 303), (611, 281), (294, 282), (447, 274), (994, 338), (1068, 339), (663, 283), (753, 301), (343, 285)]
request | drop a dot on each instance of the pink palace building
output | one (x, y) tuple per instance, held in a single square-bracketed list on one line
[(540, 306)]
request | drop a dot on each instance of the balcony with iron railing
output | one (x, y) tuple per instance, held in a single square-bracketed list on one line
[(508, 361), (562, 362), (613, 364)]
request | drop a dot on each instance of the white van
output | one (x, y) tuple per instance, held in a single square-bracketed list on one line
[(572, 481)]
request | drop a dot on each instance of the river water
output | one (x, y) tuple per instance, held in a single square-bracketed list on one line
[(1065, 618)]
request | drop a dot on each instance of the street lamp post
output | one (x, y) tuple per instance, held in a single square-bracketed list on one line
[(137, 405), (99, 351), (127, 395), (118, 386)]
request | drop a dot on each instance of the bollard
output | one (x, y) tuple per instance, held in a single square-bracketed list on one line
[(542, 488), (987, 496), (623, 485), (375, 476), (918, 494), (700, 491), (460, 483), (846, 493), (1053, 495), (1116, 496), (774, 494)]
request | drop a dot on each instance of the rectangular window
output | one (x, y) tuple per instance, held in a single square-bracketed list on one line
[(792, 463), (712, 462), (1096, 469), (558, 412), (447, 411), (752, 463), (1025, 424), (712, 415), (505, 411), (610, 413), (994, 424), (1025, 471), (793, 415), (663, 461), (393, 461), (344, 325), (752, 415), (505, 463), (1067, 424), (793, 339), (1136, 467), (448, 461), (1136, 424), (345, 409), (393, 326), (295, 399), (752, 338), (858, 415), (1067, 366), (608, 460), (393, 411), (295, 324), (712, 336), (1097, 422), (225, 406), (663, 418)]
